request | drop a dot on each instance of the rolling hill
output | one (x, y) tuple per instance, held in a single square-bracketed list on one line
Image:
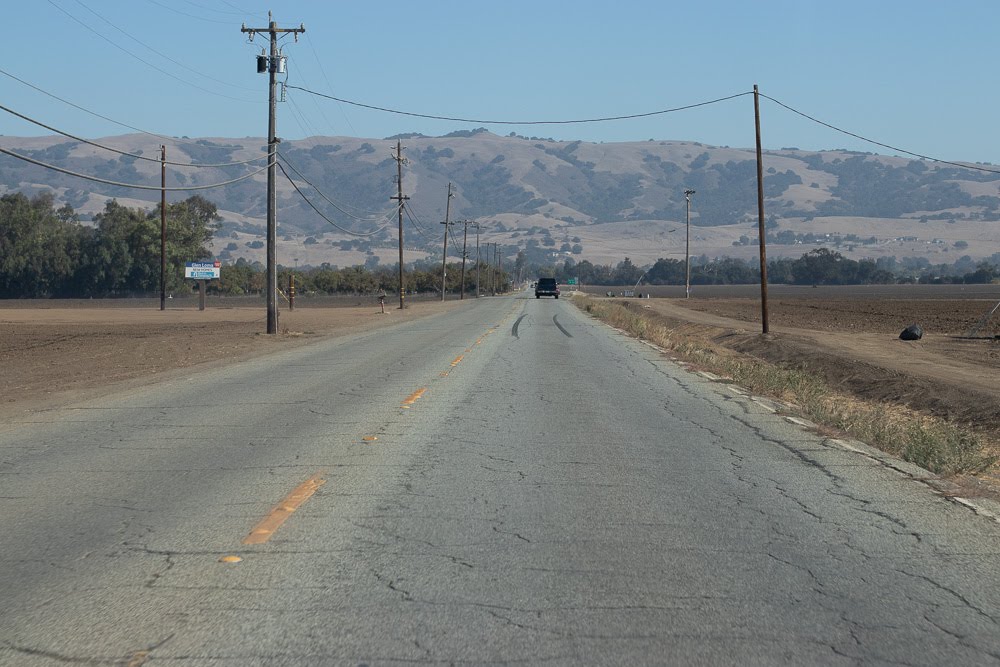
[(596, 201)]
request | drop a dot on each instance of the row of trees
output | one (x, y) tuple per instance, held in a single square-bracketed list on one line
[(818, 267), (48, 253), (248, 278)]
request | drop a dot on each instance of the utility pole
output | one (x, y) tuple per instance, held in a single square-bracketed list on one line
[(163, 227), (398, 157), (760, 215), (465, 243), (500, 269), (493, 263), (477, 259), (444, 258), (687, 247), (274, 64)]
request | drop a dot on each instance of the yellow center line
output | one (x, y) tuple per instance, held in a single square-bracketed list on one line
[(412, 398), (262, 531), (138, 659)]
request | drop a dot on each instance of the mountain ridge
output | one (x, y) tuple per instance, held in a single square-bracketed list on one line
[(597, 201)]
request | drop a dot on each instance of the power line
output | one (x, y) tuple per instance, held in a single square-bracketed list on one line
[(330, 201), (242, 11), (146, 62), (320, 213), (177, 11), (879, 143), (94, 113), (412, 217), (523, 122), (163, 55), (127, 185), (328, 84), (218, 11), (121, 152)]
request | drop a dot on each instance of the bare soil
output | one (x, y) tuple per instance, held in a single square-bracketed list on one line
[(54, 352)]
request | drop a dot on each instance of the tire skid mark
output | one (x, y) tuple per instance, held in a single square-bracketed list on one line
[(555, 319)]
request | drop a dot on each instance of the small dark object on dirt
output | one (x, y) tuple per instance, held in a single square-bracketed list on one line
[(912, 332)]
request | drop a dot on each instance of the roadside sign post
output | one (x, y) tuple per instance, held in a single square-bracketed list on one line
[(202, 271)]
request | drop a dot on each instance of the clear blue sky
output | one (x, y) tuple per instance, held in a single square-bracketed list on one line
[(918, 74)]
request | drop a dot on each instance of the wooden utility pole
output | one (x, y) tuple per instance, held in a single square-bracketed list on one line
[(477, 259), (499, 269), (493, 266), (398, 157), (687, 247), (444, 258), (273, 62), (760, 215), (163, 227), (465, 243)]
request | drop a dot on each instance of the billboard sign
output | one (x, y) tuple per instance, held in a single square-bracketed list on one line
[(203, 270)]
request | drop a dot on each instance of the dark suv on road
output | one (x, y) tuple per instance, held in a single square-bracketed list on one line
[(546, 287)]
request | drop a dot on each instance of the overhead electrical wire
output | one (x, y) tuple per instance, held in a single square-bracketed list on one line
[(94, 113), (187, 188), (121, 152), (523, 122), (879, 143), (241, 10), (320, 213), (146, 62), (314, 101), (177, 11), (308, 41), (221, 11), (161, 54), (330, 201), (412, 216)]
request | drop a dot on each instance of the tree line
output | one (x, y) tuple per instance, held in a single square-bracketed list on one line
[(817, 267), (47, 252)]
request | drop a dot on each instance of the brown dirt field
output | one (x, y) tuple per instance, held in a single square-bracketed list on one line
[(855, 346), (53, 353)]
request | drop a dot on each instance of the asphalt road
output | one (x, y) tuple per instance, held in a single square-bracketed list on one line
[(510, 482)]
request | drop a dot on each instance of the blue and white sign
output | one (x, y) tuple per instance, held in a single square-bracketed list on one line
[(203, 270)]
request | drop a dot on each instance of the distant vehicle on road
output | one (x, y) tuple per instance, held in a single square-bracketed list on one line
[(546, 287)]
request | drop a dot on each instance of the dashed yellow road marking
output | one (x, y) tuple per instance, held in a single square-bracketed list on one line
[(230, 559), (262, 531), (458, 360), (412, 398), (138, 659)]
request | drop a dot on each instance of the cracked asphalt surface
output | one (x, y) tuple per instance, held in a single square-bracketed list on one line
[(559, 494)]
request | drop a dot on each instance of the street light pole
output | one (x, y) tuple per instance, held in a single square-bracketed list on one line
[(687, 247)]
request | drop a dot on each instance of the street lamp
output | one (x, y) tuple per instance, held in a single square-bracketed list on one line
[(687, 247)]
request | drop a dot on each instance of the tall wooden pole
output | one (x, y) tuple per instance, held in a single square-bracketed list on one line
[(401, 199), (163, 227), (272, 147), (444, 258), (477, 260), (760, 215), (687, 247), (465, 244)]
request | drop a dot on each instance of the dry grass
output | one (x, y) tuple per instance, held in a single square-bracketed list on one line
[(939, 446)]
